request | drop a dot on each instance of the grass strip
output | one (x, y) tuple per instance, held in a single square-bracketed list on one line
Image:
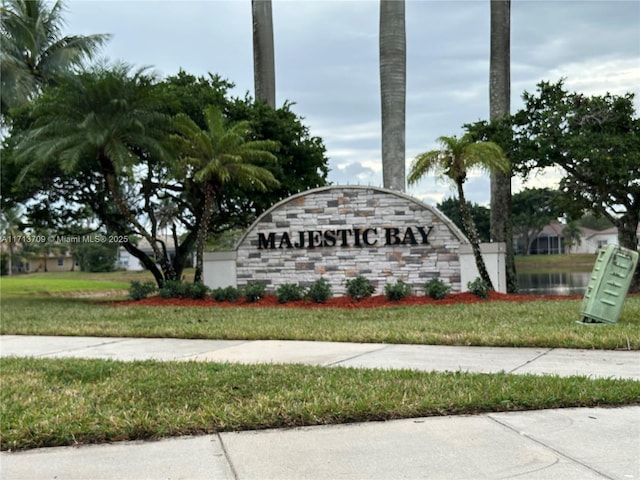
[(51, 402), (550, 324), (577, 262), (29, 285)]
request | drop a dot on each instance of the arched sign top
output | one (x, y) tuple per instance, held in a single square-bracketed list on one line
[(363, 235), (340, 232)]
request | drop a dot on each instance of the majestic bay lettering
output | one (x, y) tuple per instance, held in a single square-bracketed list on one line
[(345, 237)]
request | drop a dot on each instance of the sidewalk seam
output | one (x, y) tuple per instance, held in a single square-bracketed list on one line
[(358, 355), (513, 370), (84, 347), (549, 447), (232, 469)]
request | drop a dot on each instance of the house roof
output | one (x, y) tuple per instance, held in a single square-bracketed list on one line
[(145, 246), (555, 229), (601, 233)]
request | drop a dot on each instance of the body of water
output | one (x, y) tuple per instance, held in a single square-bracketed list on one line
[(553, 283)]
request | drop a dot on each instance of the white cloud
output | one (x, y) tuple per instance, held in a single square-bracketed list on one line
[(598, 76), (327, 61), (546, 178), (349, 133)]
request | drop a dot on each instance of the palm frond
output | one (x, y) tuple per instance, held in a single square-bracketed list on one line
[(425, 163), (487, 156), (34, 53), (222, 152), (456, 158)]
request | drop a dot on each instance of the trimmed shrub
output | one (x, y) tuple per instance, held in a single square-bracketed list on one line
[(289, 292), (397, 291), (232, 294), (138, 290), (254, 291), (359, 287), (226, 294), (173, 289), (218, 294), (196, 291), (436, 289), (479, 288), (320, 291)]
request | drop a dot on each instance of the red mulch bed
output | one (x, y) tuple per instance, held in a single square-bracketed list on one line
[(344, 302)]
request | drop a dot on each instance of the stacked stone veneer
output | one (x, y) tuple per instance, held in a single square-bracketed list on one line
[(339, 208)]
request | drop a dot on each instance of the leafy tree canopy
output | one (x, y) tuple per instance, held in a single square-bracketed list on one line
[(98, 145), (533, 209), (595, 222), (594, 140), (301, 161), (481, 216)]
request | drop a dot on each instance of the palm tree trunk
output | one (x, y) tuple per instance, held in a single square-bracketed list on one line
[(474, 238), (393, 85), (203, 231), (264, 74), (499, 107)]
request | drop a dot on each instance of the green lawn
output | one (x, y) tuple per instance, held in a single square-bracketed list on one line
[(48, 402), (67, 402), (581, 262), (70, 283), (38, 306), (533, 324)]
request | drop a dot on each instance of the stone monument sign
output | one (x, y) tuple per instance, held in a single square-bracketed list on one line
[(340, 232)]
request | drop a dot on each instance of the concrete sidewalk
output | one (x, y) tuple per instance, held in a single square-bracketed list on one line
[(580, 444), (584, 443), (539, 361)]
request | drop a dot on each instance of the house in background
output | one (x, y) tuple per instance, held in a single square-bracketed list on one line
[(54, 262), (551, 240), (39, 262), (593, 240), (126, 261)]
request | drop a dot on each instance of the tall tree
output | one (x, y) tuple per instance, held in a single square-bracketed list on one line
[(534, 209), (393, 85), (301, 164), (33, 51), (481, 216), (572, 234), (264, 70), (596, 141), (150, 182), (92, 132), (499, 107), (454, 160), (217, 155)]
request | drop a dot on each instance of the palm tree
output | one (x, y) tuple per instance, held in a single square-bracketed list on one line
[(219, 154), (499, 107), (264, 73), (33, 52), (98, 125), (572, 234), (454, 160), (393, 85)]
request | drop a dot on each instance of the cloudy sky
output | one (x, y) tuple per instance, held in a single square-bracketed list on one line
[(326, 54)]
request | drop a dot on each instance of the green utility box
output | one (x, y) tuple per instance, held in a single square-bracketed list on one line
[(608, 285)]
